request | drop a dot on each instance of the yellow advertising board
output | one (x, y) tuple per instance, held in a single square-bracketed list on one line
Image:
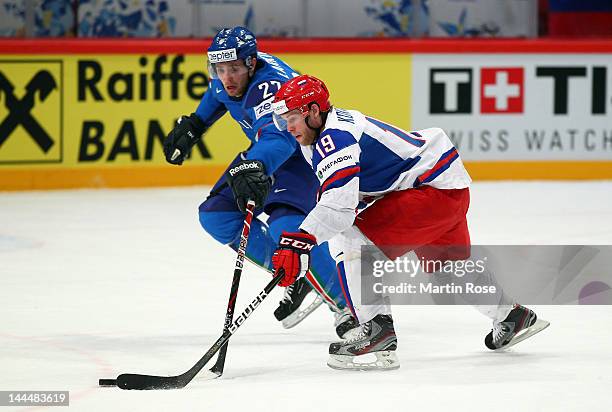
[(86, 120), (379, 85), (94, 113)]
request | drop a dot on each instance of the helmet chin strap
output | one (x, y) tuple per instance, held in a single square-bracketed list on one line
[(250, 66)]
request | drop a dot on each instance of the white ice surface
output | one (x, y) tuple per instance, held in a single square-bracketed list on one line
[(94, 283)]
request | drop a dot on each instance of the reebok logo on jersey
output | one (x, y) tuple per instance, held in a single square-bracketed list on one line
[(243, 167), (222, 56)]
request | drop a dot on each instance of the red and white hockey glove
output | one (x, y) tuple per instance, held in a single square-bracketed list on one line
[(293, 255)]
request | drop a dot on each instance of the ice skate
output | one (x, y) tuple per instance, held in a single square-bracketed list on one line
[(372, 349), (346, 325), (520, 324), (300, 300)]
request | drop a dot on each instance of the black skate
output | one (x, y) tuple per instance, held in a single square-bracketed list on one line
[(300, 300), (372, 349), (520, 324), (346, 325)]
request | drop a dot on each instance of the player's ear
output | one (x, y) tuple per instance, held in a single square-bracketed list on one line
[(319, 114), (315, 111), (252, 67)]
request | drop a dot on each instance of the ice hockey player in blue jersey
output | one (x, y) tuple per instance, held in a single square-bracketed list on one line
[(272, 171), (398, 191)]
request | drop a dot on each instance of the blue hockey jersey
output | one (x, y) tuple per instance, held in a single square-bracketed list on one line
[(253, 111)]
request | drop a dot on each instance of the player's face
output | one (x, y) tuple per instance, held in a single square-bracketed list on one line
[(234, 75), (296, 125)]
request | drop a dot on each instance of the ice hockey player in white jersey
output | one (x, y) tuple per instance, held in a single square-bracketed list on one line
[(382, 186)]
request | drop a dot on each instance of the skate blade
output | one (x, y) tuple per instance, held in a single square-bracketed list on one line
[(537, 327), (384, 361), (301, 314)]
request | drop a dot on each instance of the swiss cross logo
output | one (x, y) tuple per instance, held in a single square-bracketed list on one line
[(501, 90)]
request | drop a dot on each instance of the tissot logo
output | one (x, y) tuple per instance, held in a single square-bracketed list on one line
[(501, 90), (30, 111), (563, 75), (451, 91), (518, 106)]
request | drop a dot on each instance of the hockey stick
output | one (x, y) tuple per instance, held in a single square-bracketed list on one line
[(146, 382), (217, 369)]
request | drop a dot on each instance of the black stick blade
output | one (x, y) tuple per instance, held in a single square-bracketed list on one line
[(107, 382), (129, 381), (216, 372)]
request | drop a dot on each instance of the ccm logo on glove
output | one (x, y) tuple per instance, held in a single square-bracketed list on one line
[(294, 243), (293, 255)]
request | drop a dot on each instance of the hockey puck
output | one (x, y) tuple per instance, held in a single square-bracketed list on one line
[(107, 382)]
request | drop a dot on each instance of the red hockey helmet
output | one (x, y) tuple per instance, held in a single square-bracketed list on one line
[(299, 93)]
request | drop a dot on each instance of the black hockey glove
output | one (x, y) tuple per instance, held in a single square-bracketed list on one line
[(248, 180), (182, 138)]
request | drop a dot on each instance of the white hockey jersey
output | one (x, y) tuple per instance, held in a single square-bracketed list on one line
[(359, 159)]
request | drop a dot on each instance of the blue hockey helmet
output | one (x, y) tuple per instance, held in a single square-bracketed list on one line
[(237, 43)]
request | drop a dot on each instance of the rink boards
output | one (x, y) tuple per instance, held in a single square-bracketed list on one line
[(93, 113)]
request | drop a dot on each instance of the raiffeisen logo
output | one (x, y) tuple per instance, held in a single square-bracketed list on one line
[(31, 111)]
